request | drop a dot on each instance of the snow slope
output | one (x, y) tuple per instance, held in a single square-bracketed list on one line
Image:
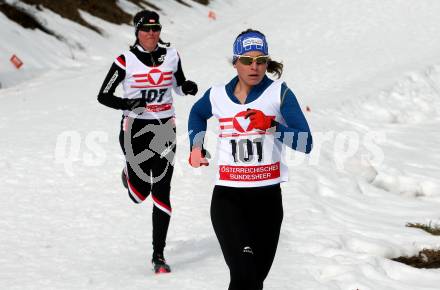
[(366, 69)]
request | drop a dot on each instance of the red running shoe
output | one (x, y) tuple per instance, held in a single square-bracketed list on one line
[(160, 266)]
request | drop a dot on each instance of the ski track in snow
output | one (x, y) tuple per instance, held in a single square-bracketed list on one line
[(71, 225)]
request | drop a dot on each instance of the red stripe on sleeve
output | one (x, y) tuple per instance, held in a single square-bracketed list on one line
[(121, 60)]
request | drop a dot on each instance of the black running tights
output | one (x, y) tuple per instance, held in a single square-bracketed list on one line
[(247, 223)]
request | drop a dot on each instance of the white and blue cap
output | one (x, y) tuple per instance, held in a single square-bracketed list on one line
[(250, 41)]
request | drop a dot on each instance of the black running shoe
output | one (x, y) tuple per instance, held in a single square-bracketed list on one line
[(160, 266), (124, 179)]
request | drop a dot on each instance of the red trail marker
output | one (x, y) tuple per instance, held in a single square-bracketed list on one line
[(16, 61), (212, 15)]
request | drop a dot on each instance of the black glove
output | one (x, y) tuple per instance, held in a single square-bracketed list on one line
[(132, 104), (189, 88)]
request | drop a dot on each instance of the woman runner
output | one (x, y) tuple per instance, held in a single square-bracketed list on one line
[(148, 73), (257, 116)]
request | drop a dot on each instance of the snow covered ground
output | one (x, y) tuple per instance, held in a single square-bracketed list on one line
[(368, 72)]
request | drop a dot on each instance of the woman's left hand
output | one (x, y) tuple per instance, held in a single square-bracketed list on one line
[(258, 119), (189, 88)]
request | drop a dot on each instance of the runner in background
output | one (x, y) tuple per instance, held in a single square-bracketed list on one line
[(148, 73), (256, 117)]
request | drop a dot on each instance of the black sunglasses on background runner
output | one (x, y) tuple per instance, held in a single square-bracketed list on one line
[(152, 27), (248, 60)]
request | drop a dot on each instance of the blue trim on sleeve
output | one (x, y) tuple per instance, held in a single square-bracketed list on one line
[(297, 133), (197, 121)]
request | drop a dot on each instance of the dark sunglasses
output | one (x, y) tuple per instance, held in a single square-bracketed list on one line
[(248, 60), (152, 27)]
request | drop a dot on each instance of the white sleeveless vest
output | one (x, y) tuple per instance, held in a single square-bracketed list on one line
[(248, 157), (155, 83)]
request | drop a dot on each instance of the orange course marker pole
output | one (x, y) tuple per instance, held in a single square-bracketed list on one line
[(16, 61), (211, 15)]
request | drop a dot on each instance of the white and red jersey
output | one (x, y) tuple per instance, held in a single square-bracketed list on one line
[(153, 83), (248, 157)]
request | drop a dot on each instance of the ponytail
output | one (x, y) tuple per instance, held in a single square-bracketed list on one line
[(275, 68)]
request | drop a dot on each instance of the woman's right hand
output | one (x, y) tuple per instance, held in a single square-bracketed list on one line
[(197, 158), (132, 104)]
